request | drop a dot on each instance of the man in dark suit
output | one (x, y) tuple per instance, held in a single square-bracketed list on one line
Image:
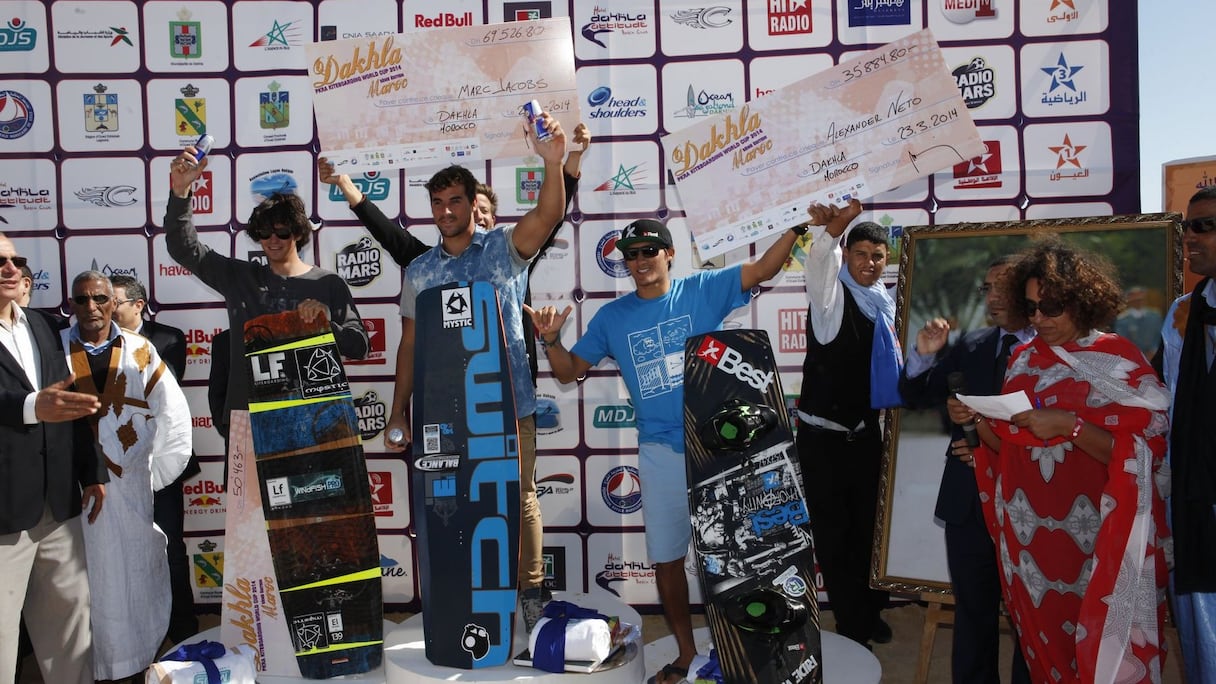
[(168, 506), (981, 356), (47, 476)]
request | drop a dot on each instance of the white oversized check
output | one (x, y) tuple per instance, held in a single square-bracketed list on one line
[(439, 96), (868, 125)]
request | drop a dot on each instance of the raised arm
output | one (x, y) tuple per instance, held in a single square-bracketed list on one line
[(400, 244), (769, 264), (534, 228)]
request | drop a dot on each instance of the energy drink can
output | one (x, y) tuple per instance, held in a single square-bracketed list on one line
[(532, 112), (202, 146)]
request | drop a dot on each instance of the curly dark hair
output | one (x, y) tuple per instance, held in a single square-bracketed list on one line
[(1085, 283), (453, 175), (281, 209)]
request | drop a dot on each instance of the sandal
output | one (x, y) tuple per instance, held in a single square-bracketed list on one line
[(669, 670)]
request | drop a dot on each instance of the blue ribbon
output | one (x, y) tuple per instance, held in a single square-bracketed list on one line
[(550, 652), (204, 652), (711, 670)]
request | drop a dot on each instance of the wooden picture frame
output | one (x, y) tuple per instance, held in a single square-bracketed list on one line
[(940, 268)]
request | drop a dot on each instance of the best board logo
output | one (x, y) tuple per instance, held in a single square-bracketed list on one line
[(786, 17), (731, 362)]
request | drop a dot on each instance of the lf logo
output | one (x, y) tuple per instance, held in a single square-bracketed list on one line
[(268, 366)]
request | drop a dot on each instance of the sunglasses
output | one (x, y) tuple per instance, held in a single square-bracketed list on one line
[(98, 299), (649, 251), (19, 262), (984, 289), (1048, 309), (265, 233), (1199, 226)]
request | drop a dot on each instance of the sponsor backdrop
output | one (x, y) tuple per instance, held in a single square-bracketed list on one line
[(98, 95)]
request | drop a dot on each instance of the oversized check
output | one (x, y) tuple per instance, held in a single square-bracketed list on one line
[(868, 125), (439, 96)]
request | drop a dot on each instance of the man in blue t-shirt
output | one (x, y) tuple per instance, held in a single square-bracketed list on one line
[(500, 257), (644, 331)]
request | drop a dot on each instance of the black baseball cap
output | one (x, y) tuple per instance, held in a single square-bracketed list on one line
[(644, 230)]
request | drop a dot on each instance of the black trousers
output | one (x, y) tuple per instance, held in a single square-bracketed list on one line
[(169, 515), (840, 476), (974, 578)]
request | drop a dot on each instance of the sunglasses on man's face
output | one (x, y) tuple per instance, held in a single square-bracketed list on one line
[(1047, 308), (19, 262), (265, 233), (1199, 226), (649, 251), (83, 300)]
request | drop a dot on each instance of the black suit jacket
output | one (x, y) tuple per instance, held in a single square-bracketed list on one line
[(974, 354), (43, 464), (170, 343)]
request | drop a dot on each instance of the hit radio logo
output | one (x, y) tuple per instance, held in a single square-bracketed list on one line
[(731, 362)]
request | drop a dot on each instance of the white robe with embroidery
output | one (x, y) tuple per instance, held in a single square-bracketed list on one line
[(144, 430)]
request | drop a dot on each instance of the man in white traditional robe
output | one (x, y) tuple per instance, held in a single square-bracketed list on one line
[(143, 428)]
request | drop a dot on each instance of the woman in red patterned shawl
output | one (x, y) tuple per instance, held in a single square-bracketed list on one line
[(1072, 489)]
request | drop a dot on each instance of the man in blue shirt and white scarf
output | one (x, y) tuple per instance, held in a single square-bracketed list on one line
[(851, 371)]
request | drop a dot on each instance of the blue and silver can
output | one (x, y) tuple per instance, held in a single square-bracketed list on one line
[(532, 112)]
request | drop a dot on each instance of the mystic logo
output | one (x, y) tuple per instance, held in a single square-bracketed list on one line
[(358, 264), (976, 82), (16, 115), (321, 368), (281, 36), (190, 113), (621, 490), (787, 17), (731, 362), (17, 36), (967, 11), (983, 171), (274, 106), (527, 183), (606, 21), (457, 308), (108, 195), (608, 258), (390, 567), (372, 414), (609, 107), (185, 37), (526, 11), (704, 17), (880, 12), (1063, 78)]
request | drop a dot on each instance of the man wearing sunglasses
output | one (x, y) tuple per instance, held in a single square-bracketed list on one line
[(52, 471), (1187, 352), (280, 227), (637, 331), (144, 430)]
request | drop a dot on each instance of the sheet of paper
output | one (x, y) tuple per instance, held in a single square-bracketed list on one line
[(1001, 407), (441, 96), (870, 124)]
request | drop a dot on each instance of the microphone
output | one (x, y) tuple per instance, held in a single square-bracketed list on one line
[(958, 385)]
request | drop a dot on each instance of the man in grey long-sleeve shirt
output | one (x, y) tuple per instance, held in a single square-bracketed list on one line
[(280, 227)]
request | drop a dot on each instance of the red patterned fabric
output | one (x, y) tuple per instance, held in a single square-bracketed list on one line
[(1081, 545)]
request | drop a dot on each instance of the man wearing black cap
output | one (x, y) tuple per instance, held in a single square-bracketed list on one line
[(644, 331)]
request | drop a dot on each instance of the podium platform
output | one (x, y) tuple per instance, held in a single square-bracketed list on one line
[(844, 661), (405, 654)]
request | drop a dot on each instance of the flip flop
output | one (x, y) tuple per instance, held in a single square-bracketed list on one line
[(669, 670)]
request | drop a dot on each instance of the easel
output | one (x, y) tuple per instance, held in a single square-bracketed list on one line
[(940, 611)]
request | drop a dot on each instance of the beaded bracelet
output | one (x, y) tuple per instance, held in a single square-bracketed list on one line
[(1076, 429)]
